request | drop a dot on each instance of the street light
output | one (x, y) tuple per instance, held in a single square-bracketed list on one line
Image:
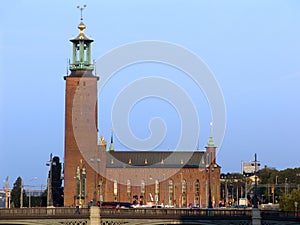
[(255, 200), (100, 194), (165, 187), (49, 182), (209, 203), (6, 193), (21, 195), (95, 178)]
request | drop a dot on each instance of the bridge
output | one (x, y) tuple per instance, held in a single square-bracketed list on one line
[(138, 216)]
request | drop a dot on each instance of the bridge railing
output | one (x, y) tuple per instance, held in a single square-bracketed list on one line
[(271, 214), (42, 212), (63, 212), (175, 212)]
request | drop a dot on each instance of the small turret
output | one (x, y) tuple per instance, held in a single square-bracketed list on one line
[(210, 142), (210, 149), (111, 146)]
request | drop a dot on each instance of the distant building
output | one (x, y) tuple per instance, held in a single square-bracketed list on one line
[(249, 168), (2, 198), (34, 193), (179, 178)]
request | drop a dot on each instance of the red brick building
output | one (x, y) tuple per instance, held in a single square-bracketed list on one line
[(178, 178)]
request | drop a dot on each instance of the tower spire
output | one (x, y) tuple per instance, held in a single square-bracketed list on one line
[(111, 146), (210, 149), (211, 140)]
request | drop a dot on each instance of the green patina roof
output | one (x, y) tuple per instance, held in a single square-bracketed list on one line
[(81, 59), (111, 147), (210, 142)]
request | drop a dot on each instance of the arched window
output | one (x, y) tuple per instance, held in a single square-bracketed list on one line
[(156, 191), (183, 183), (78, 194), (183, 193), (197, 192), (143, 187), (83, 188), (197, 187), (128, 187), (115, 188), (156, 187), (170, 196), (128, 190)]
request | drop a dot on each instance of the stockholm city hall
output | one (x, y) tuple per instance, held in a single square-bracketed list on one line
[(91, 172)]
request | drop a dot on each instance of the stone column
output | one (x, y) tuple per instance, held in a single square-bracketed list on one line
[(94, 215), (256, 217)]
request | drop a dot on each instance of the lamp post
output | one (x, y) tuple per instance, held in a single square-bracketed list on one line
[(165, 187), (50, 163), (255, 200), (95, 160), (21, 195), (6, 193), (100, 191), (209, 203)]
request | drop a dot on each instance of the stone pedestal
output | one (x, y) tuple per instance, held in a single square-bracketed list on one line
[(256, 217), (94, 215)]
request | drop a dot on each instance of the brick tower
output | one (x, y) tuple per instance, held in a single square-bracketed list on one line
[(80, 123)]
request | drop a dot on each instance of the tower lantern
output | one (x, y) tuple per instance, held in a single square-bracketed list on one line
[(81, 57)]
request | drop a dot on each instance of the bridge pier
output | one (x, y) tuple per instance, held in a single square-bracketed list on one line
[(94, 216), (256, 217)]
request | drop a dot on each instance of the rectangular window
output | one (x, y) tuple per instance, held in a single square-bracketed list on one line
[(115, 188)]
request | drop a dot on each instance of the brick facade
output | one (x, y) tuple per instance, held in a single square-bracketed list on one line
[(80, 132), (91, 172)]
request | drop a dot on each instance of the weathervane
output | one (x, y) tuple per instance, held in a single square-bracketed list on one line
[(211, 127), (81, 9)]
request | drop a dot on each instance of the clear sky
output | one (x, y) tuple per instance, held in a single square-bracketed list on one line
[(251, 47)]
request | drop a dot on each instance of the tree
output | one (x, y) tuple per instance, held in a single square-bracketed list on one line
[(57, 190), (287, 201), (267, 175), (274, 183), (16, 193), (44, 198)]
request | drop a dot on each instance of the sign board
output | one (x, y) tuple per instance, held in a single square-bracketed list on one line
[(249, 167)]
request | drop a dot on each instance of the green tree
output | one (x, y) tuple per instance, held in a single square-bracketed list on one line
[(16, 193), (44, 198), (57, 190), (267, 175), (280, 182), (287, 201)]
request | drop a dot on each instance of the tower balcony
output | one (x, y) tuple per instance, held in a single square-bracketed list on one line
[(81, 66)]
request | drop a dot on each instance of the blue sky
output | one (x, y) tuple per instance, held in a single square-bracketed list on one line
[(252, 48)]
